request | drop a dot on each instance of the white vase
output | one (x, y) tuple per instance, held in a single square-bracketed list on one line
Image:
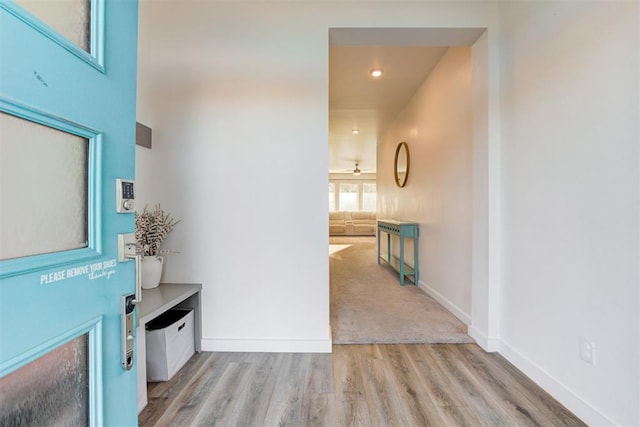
[(151, 271)]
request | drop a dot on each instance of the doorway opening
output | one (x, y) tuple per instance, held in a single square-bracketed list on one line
[(429, 94)]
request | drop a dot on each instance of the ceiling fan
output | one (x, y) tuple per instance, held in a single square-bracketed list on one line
[(356, 171)]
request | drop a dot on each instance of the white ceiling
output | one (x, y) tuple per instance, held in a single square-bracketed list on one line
[(356, 100)]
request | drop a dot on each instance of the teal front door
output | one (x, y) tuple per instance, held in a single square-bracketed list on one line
[(67, 132)]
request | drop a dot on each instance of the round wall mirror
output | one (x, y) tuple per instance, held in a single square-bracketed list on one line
[(401, 164)]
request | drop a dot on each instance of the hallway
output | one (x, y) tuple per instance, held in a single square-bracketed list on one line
[(369, 306)]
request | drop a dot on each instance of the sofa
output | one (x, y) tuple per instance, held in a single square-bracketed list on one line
[(346, 223)]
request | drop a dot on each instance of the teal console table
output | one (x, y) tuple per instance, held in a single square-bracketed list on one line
[(403, 230)]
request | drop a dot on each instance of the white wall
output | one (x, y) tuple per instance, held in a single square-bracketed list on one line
[(570, 201), (236, 94), (437, 126)]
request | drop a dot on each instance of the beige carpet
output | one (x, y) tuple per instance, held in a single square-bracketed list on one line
[(368, 305)]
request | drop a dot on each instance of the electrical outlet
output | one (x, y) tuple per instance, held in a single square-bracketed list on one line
[(587, 350)]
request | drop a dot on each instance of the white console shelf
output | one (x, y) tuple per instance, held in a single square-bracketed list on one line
[(155, 302)]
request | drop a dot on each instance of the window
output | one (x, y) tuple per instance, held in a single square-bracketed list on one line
[(332, 197), (352, 195), (348, 198), (369, 197)]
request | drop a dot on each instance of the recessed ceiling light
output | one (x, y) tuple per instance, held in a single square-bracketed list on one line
[(355, 131), (376, 72)]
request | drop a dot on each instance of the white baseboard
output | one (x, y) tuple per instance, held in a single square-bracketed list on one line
[(555, 388), (490, 345), (142, 403), (267, 345), (454, 309)]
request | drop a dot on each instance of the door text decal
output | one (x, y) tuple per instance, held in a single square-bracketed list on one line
[(92, 271)]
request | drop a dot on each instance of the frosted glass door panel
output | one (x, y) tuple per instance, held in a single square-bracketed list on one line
[(53, 390), (71, 18), (43, 189)]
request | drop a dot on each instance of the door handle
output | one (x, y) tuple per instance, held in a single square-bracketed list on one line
[(128, 249), (134, 253)]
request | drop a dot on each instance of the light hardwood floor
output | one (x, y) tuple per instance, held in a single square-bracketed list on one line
[(357, 385)]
